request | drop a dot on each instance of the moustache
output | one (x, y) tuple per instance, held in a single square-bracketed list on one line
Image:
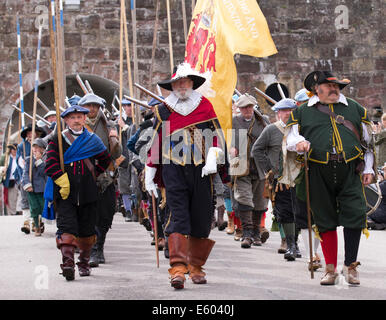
[(332, 92)]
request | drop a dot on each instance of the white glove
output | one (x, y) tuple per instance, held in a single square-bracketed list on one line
[(150, 186), (215, 156)]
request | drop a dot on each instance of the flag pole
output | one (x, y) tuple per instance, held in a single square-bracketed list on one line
[(184, 18), (35, 100), (170, 37)]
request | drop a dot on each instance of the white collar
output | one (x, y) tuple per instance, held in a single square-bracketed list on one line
[(184, 107), (314, 99)]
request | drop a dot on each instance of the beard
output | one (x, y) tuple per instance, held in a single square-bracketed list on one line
[(183, 94)]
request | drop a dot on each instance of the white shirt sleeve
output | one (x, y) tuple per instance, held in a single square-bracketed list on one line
[(369, 156), (294, 138)]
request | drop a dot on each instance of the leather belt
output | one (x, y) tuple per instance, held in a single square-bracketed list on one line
[(336, 157)]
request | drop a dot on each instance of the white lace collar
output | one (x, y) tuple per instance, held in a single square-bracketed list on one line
[(184, 107), (314, 99)]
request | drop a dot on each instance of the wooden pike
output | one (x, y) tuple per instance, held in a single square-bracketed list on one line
[(29, 116), (35, 100), (52, 24), (154, 42), (170, 37)]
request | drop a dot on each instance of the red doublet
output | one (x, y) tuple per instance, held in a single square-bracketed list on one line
[(203, 113)]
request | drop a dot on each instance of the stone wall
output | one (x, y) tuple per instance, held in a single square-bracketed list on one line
[(346, 37)]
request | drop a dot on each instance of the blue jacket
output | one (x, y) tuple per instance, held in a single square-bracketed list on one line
[(8, 174), (20, 153), (39, 178)]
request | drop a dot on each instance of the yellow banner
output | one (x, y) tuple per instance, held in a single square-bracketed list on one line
[(219, 30)]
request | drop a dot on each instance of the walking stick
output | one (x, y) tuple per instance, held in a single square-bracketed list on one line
[(308, 212), (155, 227)]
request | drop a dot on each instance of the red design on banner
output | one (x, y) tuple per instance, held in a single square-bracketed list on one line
[(197, 41)]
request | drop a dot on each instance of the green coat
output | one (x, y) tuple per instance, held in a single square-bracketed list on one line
[(325, 133)]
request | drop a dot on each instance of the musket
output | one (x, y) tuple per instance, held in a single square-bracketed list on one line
[(42, 104), (281, 91), (151, 94), (137, 102), (88, 86), (41, 118), (81, 84), (265, 95), (308, 211), (155, 222)]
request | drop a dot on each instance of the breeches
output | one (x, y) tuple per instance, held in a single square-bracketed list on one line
[(248, 193), (106, 208), (189, 198), (336, 196), (77, 220)]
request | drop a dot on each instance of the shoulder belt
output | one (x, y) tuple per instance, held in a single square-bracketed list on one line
[(87, 161), (339, 119)]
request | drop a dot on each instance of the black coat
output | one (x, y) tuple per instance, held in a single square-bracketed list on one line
[(83, 188)]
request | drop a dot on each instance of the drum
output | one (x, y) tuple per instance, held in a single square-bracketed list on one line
[(373, 197)]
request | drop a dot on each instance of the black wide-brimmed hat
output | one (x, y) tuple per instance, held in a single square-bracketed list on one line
[(319, 77), (184, 70), (23, 134)]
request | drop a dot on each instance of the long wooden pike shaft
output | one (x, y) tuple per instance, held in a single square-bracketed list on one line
[(308, 212), (29, 116), (52, 25), (265, 95)]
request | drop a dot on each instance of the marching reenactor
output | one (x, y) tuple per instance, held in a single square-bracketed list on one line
[(266, 152), (125, 168), (248, 181), (75, 190), (97, 123), (186, 170), (24, 151), (336, 133)]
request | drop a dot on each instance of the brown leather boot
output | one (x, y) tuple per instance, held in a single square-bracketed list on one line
[(67, 243), (199, 250), (178, 259), (231, 224), (330, 277), (85, 245)]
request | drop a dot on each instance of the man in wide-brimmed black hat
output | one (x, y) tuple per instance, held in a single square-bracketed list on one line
[(336, 133), (182, 160)]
